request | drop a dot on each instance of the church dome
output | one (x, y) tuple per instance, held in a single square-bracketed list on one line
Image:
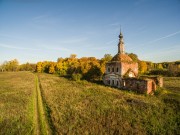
[(121, 58)]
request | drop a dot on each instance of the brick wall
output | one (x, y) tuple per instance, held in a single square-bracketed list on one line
[(126, 66), (121, 68), (139, 85), (157, 79)]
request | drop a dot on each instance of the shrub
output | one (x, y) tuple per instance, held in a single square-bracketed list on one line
[(160, 72), (76, 77)]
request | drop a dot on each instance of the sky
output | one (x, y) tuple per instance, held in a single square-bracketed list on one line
[(39, 30)]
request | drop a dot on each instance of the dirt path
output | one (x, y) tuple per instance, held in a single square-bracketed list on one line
[(41, 126)]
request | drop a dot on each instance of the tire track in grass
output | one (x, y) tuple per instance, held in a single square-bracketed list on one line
[(41, 125), (36, 112)]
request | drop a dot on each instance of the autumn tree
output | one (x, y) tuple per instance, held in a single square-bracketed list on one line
[(52, 67), (27, 67), (39, 67), (11, 65), (61, 67), (73, 56), (142, 66)]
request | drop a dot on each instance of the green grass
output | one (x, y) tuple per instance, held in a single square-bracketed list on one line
[(70, 107), (41, 112), (16, 103), (87, 108), (173, 84)]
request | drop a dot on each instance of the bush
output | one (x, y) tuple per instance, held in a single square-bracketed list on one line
[(160, 72), (76, 77)]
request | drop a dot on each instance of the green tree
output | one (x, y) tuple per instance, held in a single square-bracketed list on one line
[(107, 57), (133, 56)]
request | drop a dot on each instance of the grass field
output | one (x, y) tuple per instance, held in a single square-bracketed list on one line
[(87, 108), (56, 105), (16, 103), (172, 84)]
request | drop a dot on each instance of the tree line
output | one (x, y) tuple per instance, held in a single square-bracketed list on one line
[(163, 68), (90, 68), (13, 65)]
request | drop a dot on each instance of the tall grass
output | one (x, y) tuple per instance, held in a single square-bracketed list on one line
[(16, 103), (172, 84), (87, 108)]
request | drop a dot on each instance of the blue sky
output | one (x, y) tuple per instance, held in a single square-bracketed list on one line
[(38, 30)]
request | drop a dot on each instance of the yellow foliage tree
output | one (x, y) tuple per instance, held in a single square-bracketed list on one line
[(39, 67), (142, 66)]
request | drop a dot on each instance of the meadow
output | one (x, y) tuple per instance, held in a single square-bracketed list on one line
[(87, 108), (49, 104), (16, 103)]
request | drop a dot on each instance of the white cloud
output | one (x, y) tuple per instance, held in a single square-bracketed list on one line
[(57, 48), (16, 47), (115, 24), (73, 40), (164, 37), (112, 41), (40, 17), (158, 39)]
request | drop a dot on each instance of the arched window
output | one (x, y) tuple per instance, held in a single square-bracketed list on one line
[(108, 82), (124, 83), (108, 69), (117, 69), (112, 82)]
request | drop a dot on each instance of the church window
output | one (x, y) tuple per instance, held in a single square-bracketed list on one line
[(108, 82), (124, 83), (112, 82), (117, 69), (108, 69)]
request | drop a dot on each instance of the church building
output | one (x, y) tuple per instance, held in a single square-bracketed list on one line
[(122, 72), (120, 66)]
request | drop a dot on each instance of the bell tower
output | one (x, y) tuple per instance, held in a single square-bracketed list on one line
[(121, 44)]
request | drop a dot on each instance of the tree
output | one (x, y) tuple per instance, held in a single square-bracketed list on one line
[(61, 67), (52, 68), (142, 66), (73, 56), (27, 67), (134, 57), (11, 65), (159, 66), (107, 57), (39, 67), (59, 59)]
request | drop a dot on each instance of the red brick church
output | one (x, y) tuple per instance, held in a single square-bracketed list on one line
[(122, 72)]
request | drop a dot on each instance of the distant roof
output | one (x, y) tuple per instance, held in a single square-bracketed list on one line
[(122, 58)]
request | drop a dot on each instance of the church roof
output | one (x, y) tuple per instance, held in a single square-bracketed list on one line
[(121, 58)]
